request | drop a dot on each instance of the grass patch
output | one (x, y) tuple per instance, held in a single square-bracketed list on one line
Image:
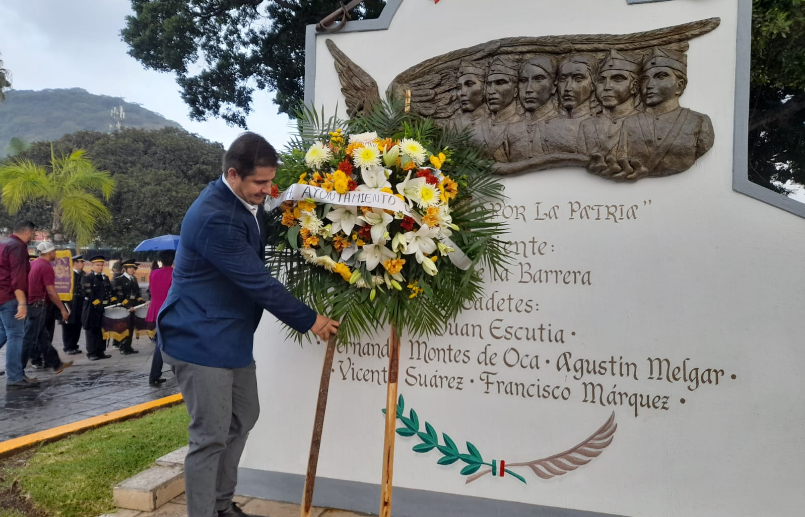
[(74, 477)]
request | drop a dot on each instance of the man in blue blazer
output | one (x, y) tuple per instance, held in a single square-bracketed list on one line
[(206, 326)]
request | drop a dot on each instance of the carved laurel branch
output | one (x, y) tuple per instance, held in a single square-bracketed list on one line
[(568, 461)]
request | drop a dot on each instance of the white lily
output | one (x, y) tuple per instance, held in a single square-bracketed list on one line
[(429, 267), (379, 220), (390, 156), (409, 187), (374, 178), (348, 252), (421, 243), (445, 222), (398, 243), (374, 254), (444, 249), (344, 218)]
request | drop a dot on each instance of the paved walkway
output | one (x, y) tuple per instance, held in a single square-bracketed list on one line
[(259, 507), (87, 389)]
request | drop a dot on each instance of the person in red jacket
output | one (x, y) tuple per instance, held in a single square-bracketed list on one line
[(14, 267), (159, 283)]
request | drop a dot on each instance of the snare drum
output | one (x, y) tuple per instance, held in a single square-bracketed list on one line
[(142, 327), (116, 323)]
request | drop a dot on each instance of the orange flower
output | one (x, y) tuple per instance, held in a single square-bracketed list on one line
[(288, 219), (343, 270), (450, 186), (306, 206), (339, 243), (432, 217), (394, 266), (384, 144), (311, 241), (304, 232), (351, 148)]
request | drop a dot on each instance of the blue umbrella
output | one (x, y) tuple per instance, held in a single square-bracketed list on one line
[(163, 242)]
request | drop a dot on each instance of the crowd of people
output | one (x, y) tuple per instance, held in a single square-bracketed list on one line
[(30, 307)]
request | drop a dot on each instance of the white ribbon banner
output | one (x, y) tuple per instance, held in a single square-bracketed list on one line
[(374, 199)]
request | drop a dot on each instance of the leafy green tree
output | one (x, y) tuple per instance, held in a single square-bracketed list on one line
[(5, 75), (777, 99), (240, 45), (158, 175), (16, 146), (68, 185)]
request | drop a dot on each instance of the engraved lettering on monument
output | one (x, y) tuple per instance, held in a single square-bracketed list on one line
[(607, 103)]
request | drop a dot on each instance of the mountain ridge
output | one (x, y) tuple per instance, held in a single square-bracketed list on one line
[(49, 114)]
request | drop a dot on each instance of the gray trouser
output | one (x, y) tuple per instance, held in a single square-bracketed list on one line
[(223, 408)]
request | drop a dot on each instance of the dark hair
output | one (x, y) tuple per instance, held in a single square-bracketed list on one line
[(21, 226), (118, 266), (154, 265), (166, 257), (248, 151)]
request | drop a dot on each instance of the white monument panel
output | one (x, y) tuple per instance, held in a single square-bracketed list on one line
[(677, 277)]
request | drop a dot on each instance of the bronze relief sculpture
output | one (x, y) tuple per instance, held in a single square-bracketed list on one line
[(607, 103)]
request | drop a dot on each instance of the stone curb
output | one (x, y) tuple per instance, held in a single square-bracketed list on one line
[(16, 445)]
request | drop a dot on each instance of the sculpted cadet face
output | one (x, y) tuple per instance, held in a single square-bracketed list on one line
[(500, 91), (575, 86), (660, 84), (535, 87), (471, 95), (614, 87)]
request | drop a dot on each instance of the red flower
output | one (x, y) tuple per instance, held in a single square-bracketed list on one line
[(275, 191), (352, 184), (365, 233), (345, 167), (407, 224), (429, 177)]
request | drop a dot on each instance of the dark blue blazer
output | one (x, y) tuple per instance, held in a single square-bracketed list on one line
[(221, 286)]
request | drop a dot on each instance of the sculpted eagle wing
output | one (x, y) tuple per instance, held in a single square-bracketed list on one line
[(357, 86)]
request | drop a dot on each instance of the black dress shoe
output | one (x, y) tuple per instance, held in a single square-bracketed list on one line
[(233, 511), (129, 351), (104, 356), (158, 382), (92, 357), (2, 372), (72, 352), (36, 366), (23, 384)]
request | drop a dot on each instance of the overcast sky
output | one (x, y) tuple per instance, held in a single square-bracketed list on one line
[(76, 43)]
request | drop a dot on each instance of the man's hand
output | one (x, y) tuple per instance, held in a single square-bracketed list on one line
[(22, 312), (64, 314), (324, 327)]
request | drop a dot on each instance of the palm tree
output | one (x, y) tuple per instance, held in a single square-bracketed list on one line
[(68, 185)]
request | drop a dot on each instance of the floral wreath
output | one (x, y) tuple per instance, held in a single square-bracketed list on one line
[(382, 220)]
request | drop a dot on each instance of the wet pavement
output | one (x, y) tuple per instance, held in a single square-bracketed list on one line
[(87, 389)]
